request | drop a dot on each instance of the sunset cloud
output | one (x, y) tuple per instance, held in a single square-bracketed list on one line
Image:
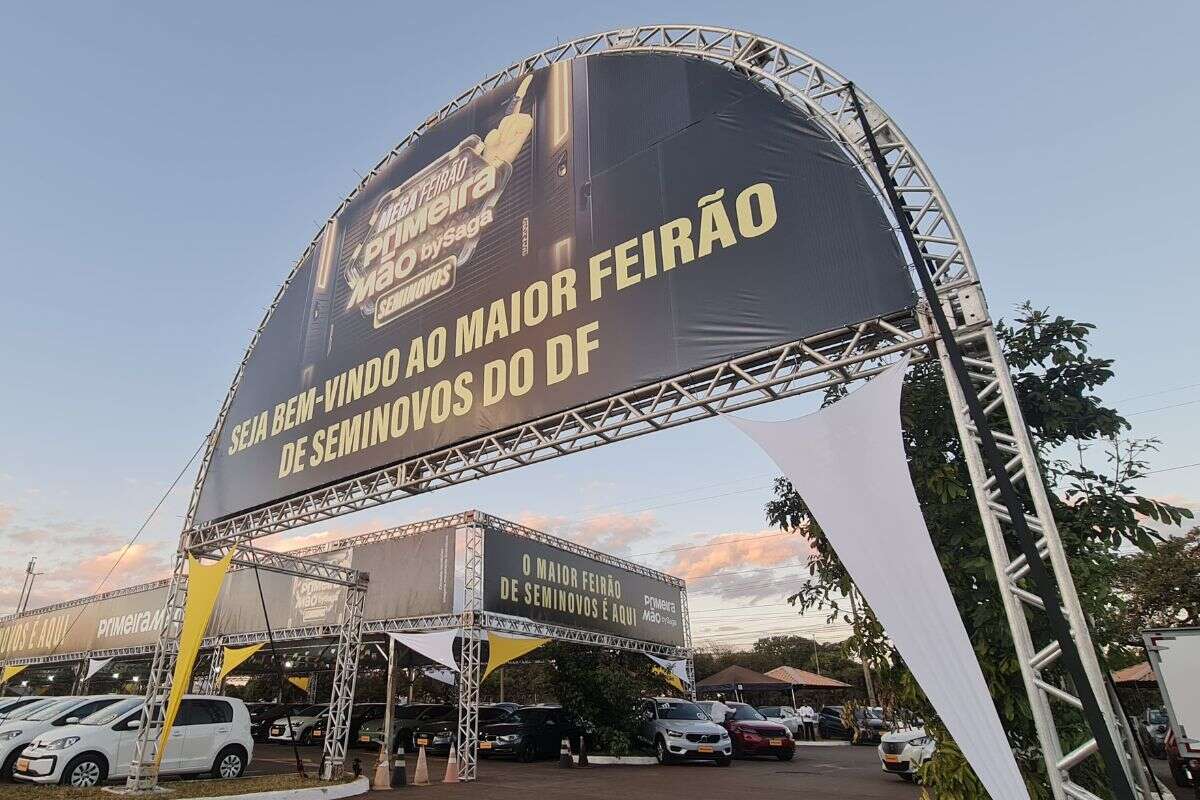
[(614, 533), (750, 565)]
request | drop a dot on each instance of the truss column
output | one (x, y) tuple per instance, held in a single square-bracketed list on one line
[(143, 772), (345, 678), (79, 685), (470, 666), (1014, 436), (209, 684), (685, 618)]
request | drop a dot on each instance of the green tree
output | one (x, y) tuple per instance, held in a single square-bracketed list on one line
[(1160, 587), (1056, 379), (603, 687)]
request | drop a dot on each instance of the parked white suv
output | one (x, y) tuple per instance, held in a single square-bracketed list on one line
[(28, 722), (302, 722), (903, 752), (211, 734)]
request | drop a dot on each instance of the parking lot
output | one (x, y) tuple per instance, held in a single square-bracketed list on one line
[(837, 771)]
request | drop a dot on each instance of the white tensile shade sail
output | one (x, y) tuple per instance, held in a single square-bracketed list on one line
[(848, 463), (436, 646)]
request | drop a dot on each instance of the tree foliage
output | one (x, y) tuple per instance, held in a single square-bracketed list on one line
[(1160, 586), (1097, 510)]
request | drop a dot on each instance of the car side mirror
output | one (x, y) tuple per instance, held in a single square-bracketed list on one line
[(133, 724), (729, 716), (72, 720)]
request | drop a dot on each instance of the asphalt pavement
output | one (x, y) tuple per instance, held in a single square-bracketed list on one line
[(816, 772)]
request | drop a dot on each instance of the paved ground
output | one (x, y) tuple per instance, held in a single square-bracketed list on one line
[(817, 772)]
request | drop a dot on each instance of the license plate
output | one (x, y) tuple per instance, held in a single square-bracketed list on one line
[(776, 742), (892, 759), (705, 748), (423, 742), (23, 764), (318, 734), (485, 745), (364, 738)]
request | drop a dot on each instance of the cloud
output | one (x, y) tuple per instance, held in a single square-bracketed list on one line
[(7, 513), (613, 533), (748, 565)]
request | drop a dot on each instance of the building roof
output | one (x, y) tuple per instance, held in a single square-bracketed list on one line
[(1138, 673), (809, 680), (732, 677)]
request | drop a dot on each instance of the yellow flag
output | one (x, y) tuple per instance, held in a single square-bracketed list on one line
[(503, 649), (300, 683), (668, 676), (11, 671), (204, 583), (234, 657)]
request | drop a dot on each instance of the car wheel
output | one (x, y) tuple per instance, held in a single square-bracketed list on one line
[(660, 751), (724, 762), (1179, 774), (908, 776), (784, 756), (10, 763), (306, 736), (229, 763), (85, 771)]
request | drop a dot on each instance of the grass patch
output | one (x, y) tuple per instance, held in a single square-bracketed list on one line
[(177, 788)]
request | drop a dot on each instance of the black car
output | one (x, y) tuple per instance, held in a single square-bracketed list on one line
[(436, 735), (869, 721), (363, 712), (263, 714), (830, 724), (529, 733)]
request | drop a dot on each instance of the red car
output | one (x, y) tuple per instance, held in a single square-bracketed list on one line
[(753, 735)]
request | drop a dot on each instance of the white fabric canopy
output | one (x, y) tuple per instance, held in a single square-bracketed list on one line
[(437, 646), (95, 665), (677, 668), (443, 674), (848, 463)]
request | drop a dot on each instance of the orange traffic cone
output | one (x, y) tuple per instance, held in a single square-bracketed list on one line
[(383, 773), (564, 754), (421, 778), (451, 767)]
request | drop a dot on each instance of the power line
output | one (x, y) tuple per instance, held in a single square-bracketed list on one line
[(1163, 408), (1156, 394), (713, 544), (1172, 469)]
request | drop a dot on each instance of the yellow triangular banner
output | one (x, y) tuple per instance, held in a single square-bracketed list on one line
[(503, 649), (11, 671), (234, 657), (300, 683), (668, 676), (204, 584)]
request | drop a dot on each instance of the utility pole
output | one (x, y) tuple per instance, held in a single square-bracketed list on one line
[(27, 586), (817, 654), (866, 669)]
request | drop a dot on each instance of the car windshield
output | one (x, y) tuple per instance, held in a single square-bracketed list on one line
[(680, 711), (531, 716), (1158, 716), (747, 713), (111, 713), (50, 710), (25, 711), (492, 714), (770, 711), (309, 711)]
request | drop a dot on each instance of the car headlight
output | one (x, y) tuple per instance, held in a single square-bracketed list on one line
[(509, 737), (61, 744), (676, 734), (6, 735), (724, 734), (919, 742)]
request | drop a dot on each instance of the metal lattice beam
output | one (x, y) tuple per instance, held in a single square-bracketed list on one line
[(345, 677)]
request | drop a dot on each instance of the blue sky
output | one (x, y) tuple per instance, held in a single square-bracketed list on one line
[(163, 165)]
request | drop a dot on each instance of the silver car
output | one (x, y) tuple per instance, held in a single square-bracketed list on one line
[(679, 729)]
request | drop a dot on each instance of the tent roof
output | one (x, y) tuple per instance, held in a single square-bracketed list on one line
[(730, 677), (1138, 673), (809, 680)]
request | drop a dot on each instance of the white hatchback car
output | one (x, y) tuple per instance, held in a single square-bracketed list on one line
[(28, 722), (902, 752), (211, 735)]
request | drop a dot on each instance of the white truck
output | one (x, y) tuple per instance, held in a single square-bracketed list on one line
[(1175, 658)]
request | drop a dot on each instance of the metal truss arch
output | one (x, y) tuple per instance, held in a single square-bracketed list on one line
[(831, 359)]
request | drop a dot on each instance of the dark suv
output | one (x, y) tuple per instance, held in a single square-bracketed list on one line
[(437, 734), (529, 733)]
